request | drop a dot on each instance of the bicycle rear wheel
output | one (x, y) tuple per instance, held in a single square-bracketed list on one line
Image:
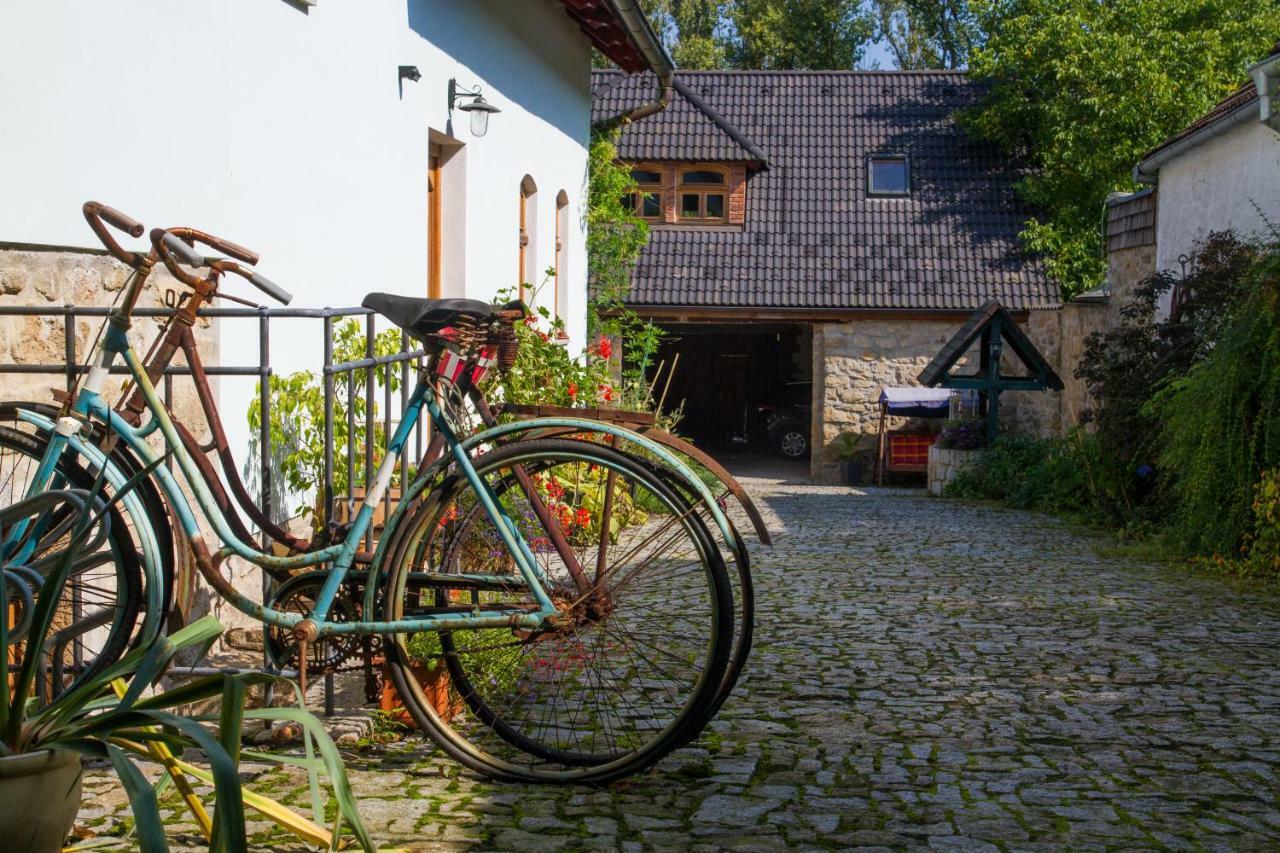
[(99, 606), (627, 674)]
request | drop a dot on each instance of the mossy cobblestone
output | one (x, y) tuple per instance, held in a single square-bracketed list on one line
[(927, 675)]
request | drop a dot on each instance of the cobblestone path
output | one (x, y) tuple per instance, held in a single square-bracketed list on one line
[(926, 675)]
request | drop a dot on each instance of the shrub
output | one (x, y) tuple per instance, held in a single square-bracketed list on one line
[(1221, 421), (1067, 475), (965, 434)]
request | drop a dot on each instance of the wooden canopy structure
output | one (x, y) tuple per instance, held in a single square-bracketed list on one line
[(992, 326)]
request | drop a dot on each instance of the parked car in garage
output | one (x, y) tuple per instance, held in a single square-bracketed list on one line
[(781, 420)]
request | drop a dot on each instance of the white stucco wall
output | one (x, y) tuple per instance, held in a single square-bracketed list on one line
[(287, 129), (1218, 185)]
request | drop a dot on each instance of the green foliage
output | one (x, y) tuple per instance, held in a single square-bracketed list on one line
[(763, 34), (297, 416), (615, 237), (1070, 475), (1262, 548), (938, 34), (691, 30), (1187, 420), (796, 34), (1081, 89), (964, 434), (1221, 421)]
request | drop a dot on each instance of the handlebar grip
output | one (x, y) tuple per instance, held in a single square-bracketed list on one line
[(270, 288), (235, 250), (184, 253), (130, 226)]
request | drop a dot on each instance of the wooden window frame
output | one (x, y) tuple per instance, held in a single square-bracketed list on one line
[(638, 194), (702, 190), (906, 165)]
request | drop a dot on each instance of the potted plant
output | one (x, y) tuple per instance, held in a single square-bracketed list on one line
[(114, 714), (847, 452)]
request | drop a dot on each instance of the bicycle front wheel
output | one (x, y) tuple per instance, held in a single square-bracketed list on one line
[(631, 664), (100, 603)]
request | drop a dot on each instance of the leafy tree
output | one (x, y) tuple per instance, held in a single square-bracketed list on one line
[(692, 30), (928, 33), (1080, 90), (798, 34)]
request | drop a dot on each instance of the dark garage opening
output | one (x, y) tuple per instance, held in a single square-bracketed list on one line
[(731, 378)]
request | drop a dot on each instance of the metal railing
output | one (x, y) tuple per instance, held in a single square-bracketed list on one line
[(357, 465)]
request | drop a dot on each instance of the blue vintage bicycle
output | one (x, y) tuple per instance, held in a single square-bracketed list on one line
[(572, 597)]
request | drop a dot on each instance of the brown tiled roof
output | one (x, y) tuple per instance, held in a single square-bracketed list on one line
[(600, 23), (1246, 94), (813, 238)]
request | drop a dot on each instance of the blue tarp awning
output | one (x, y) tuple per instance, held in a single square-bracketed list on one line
[(916, 402)]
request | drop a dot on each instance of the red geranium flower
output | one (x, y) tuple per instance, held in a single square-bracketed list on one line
[(604, 347), (573, 389)]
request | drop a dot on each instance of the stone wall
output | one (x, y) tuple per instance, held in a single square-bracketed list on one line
[(851, 361), (1061, 336), (944, 465), (51, 277)]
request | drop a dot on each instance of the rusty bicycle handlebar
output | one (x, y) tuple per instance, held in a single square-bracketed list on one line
[(175, 247), (95, 213)]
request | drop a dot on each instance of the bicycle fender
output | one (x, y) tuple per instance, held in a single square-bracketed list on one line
[(704, 459), (581, 425)]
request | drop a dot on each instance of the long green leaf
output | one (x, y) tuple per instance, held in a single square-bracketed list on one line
[(142, 800), (332, 760), (228, 817), (229, 727), (73, 702), (200, 688)]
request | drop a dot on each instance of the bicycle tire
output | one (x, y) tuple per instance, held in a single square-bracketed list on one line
[(487, 741), (127, 590), (743, 591), (153, 504)]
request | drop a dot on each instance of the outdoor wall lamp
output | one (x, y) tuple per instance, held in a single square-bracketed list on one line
[(410, 73), (479, 107)]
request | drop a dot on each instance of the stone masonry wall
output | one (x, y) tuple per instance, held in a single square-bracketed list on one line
[(1061, 336), (852, 361)]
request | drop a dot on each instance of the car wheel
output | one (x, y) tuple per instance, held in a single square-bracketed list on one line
[(792, 442)]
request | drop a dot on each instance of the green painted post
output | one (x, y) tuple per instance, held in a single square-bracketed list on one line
[(994, 350)]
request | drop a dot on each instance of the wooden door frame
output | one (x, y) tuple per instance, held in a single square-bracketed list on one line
[(434, 189)]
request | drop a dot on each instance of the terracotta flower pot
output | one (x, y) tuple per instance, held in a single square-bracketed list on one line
[(435, 684), (39, 798)]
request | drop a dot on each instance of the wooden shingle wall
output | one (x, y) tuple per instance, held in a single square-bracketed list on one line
[(1131, 222)]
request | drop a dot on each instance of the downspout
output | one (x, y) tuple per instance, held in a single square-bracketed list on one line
[(646, 41)]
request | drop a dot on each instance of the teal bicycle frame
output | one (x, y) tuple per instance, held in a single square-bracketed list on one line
[(89, 403)]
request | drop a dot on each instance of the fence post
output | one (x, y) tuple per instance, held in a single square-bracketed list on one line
[(328, 418), (69, 344)]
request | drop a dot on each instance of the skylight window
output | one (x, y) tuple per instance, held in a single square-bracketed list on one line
[(889, 175)]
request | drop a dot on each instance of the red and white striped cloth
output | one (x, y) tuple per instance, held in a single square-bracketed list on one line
[(451, 365)]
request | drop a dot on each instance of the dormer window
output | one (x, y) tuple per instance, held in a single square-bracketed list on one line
[(703, 190), (646, 200), (889, 175)]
